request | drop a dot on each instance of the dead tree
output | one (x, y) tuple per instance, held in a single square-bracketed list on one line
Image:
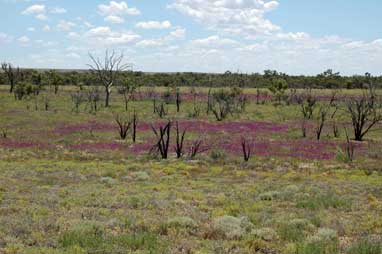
[(77, 99), (246, 148), (123, 126), (160, 109), (179, 141), (93, 97), (108, 70), (209, 101), (134, 123), (321, 119), (4, 133), (163, 140), (196, 148), (127, 90), (178, 100), (365, 112), (12, 75), (307, 104), (349, 149)]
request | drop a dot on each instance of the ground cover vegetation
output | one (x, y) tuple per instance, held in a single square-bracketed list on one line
[(111, 161)]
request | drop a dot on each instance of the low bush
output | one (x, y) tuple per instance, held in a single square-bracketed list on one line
[(366, 246), (325, 241), (231, 227), (324, 201), (295, 230)]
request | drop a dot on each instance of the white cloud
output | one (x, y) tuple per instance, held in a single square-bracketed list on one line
[(31, 29), (23, 39), (73, 55), (46, 28), (65, 25), (293, 36), (34, 9), (117, 9), (214, 41), (149, 43), (5, 38), (41, 17), (114, 19), (179, 33), (104, 36), (154, 25), (239, 17), (57, 10)]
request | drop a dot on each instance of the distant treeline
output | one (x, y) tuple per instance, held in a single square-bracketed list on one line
[(327, 79)]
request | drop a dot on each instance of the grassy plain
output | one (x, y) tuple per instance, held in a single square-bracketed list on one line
[(69, 185)]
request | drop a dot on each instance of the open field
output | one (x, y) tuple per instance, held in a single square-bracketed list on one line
[(69, 184)]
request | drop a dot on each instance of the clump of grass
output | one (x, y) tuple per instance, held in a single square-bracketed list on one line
[(217, 154), (182, 221), (86, 235), (324, 201), (270, 195), (295, 230), (366, 246), (231, 227), (325, 241), (91, 236), (266, 234), (141, 176), (108, 180)]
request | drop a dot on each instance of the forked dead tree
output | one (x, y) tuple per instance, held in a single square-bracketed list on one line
[(12, 74), (4, 133), (163, 140), (108, 70), (247, 147), (321, 119), (77, 99), (349, 149), (123, 126), (365, 112), (196, 148), (179, 140), (127, 89), (160, 109)]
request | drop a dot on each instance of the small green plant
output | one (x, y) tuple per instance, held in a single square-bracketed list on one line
[(231, 227), (269, 196), (324, 201), (295, 230), (217, 154), (325, 241), (366, 246), (278, 89)]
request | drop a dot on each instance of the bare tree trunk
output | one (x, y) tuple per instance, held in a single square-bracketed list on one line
[(107, 97)]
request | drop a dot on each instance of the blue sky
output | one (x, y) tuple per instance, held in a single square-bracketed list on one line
[(292, 36)]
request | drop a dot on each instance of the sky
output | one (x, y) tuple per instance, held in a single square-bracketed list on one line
[(291, 36)]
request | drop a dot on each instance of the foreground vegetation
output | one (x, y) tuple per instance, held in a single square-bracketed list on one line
[(190, 170)]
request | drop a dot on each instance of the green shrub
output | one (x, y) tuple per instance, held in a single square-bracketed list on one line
[(91, 236), (295, 230), (107, 180), (141, 176), (366, 246), (217, 154), (185, 222), (325, 241), (86, 235), (231, 227), (266, 234), (270, 195), (324, 201)]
